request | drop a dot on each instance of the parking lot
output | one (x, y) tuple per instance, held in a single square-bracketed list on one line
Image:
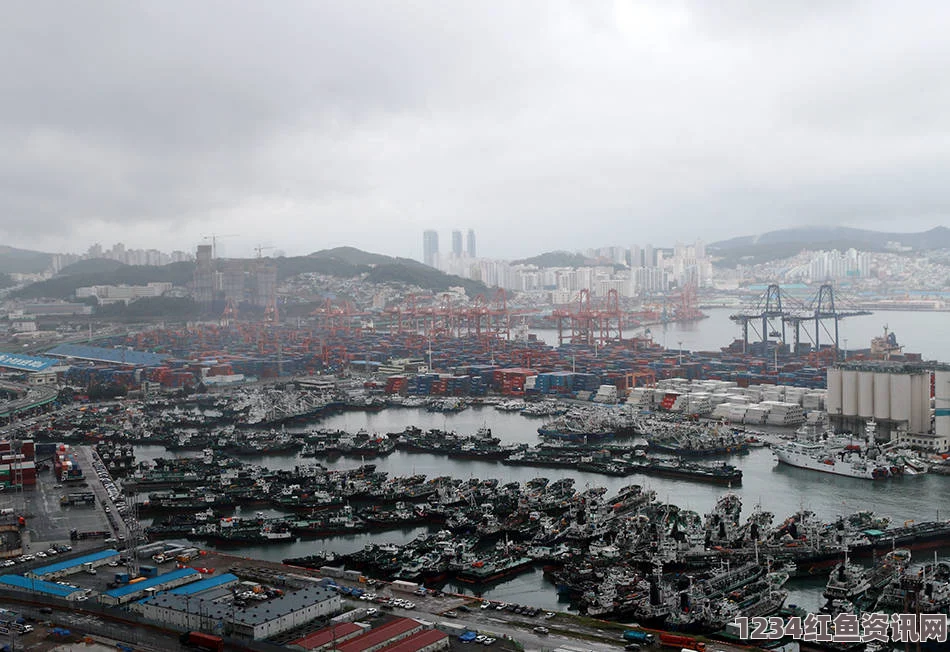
[(49, 523), (117, 510)]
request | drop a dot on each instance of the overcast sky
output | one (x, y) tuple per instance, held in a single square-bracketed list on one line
[(542, 125)]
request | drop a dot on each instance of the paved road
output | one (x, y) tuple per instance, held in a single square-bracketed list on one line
[(121, 521), (141, 638), (498, 624), (18, 423), (33, 396)]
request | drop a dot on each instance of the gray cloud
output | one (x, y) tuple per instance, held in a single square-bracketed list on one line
[(540, 124)]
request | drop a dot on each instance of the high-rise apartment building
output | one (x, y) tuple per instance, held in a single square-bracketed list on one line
[(430, 248), (636, 256), (233, 281), (204, 275), (471, 244), (456, 244), (649, 257), (265, 290)]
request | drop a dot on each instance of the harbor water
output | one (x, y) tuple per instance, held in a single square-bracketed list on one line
[(779, 489), (918, 331)]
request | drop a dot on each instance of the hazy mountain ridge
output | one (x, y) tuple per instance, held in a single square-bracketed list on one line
[(346, 262), (554, 259), (350, 261), (785, 243), (92, 266), (23, 261), (818, 237), (64, 287)]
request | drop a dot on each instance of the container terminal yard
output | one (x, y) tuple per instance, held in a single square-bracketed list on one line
[(634, 491)]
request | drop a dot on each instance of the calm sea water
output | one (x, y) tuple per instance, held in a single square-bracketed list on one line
[(919, 332), (779, 489)]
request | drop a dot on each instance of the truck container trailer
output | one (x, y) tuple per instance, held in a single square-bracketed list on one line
[(636, 636), (203, 641), (682, 642)]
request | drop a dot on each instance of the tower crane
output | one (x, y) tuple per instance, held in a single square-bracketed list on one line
[(214, 237)]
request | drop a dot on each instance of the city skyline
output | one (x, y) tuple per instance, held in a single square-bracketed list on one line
[(230, 246), (647, 255)]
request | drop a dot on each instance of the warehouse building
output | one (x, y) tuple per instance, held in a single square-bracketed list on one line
[(30, 364), (130, 592), (120, 356), (428, 640), (379, 637), (207, 584), (214, 612), (40, 587), (328, 637), (73, 566)]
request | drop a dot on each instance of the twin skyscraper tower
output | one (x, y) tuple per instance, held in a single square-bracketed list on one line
[(430, 246)]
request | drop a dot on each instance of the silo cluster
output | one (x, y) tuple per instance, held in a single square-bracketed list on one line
[(892, 394)]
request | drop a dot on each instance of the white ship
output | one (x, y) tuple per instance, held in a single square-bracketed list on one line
[(277, 535), (854, 461)]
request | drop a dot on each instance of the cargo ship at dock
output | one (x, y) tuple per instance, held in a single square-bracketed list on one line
[(493, 570), (699, 449), (810, 559), (335, 525), (576, 434), (480, 446), (915, 536), (724, 474), (239, 532), (187, 501)]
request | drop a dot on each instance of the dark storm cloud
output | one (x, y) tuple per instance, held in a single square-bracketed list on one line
[(313, 124)]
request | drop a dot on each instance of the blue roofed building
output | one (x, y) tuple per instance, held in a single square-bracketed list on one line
[(74, 565), (40, 587), (130, 592), (208, 583), (22, 362), (112, 356)]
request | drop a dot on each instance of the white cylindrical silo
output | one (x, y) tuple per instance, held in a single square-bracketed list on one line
[(942, 403), (923, 400), (833, 399), (882, 396), (865, 394), (849, 393), (916, 409), (900, 397)]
